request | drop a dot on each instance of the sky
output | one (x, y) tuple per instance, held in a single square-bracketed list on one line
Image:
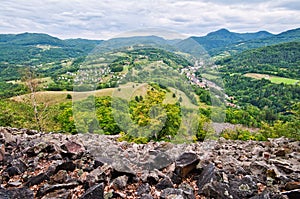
[(104, 19)]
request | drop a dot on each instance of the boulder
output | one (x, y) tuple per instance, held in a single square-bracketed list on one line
[(186, 163)]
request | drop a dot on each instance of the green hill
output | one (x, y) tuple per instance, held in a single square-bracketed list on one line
[(281, 60)]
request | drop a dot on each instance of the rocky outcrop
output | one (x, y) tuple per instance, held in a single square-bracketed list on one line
[(87, 166)]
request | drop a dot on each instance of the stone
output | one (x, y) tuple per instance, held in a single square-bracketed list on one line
[(120, 182), (186, 163), (14, 184), (146, 196), (169, 193), (152, 178), (20, 193), (293, 194), (188, 190), (95, 192), (51, 188), (2, 152), (292, 185), (143, 189), (160, 161), (216, 190), (267, 194), (36, 180), (73, 147), (59, 177), (67, 166), (206, 176), (164, 183), (243, 188), (12, 171), (280, 152)]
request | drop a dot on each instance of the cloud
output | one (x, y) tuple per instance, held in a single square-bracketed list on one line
[(106, 18)]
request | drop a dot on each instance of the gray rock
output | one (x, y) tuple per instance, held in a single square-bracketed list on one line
[(143, 189), (169, 193), (216, 190), (206, 176), (95, 192), (164, 183), (293, 194), (160, 161), (36, 180), (51, 188), (120, 182), (186, 163), (21, 193), (146, 196), (243, 188)]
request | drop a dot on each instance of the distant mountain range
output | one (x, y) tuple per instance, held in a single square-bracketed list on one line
[(214, 43)]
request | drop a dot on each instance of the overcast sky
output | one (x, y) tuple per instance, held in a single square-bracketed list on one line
[(103, 19)]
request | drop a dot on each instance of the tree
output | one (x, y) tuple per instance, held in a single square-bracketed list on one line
[(29, 76)]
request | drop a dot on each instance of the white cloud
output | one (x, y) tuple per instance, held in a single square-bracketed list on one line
[(104, 19)]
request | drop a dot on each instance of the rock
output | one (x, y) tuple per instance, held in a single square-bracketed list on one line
[(15, 183), (169, 193), (160, 161), (216, 190), (51, 188), (164, 183), (188, 190), (186, 163), (58, 194), (120, 182), (2, 152), (143, 189), (20, 165), (12, 171), (280, 153), (67, 166), (59, 177), (206, 176), (292, 185), (146, 196), (243, 188), (294, 194), (283, 165), (36, 180), (73, 147), (269, 194), (21, 193), (152, 178), (95, 192)]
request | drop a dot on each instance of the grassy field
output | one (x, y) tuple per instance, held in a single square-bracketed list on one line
[(209, 76), (127, 91), (273, 79)]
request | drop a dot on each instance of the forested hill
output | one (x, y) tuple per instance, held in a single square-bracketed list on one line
[(36, 48), (282, 60), (225, 41), (216, 41)]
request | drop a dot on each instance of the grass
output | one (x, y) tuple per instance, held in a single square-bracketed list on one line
[(209, 76), (56, 97), (273, 79)]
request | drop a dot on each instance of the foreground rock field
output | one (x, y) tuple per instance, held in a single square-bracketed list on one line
[(90, 166)]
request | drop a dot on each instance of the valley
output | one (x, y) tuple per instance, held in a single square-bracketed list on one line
[(62, 83)]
